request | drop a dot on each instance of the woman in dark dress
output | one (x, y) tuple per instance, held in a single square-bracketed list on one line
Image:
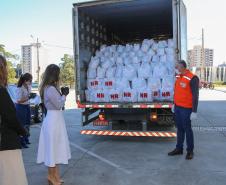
[(12, 168)]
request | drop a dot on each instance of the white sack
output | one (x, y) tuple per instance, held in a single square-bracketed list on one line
[(119, 61), (160, 71), (144, 71), (94, 62), (122, 83), (171, 43), (129, 95), (91, 73), (107, 64), (168, 82), (163, 58), (167, 94), (101, 72), (99, 96), (160, 51), (169, 51), (94, 84), (118, 72), (155, 46), (115, 95), (138, 83), (109, 83), (155, 58), (144, 95), (129, 72), (136, 47), (120, 49), (110, 73), (162, 44), (155, 85)]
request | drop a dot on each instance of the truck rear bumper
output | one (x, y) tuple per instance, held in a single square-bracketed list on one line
[(129, 134)]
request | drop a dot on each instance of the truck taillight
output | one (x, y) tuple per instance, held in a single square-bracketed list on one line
[(101, 116), (154, 116)]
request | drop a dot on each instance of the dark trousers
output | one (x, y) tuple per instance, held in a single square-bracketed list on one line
[(183, 123), (24, 117)]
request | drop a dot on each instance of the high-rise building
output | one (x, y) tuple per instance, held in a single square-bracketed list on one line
[(195, 57), (209, 57), (30, 55)]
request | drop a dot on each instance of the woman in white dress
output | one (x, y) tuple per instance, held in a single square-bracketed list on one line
[(54, 146)]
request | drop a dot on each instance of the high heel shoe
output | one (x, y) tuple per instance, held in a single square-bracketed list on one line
[(51, 182)]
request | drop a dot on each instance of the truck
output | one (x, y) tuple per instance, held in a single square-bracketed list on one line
[(118, 22)]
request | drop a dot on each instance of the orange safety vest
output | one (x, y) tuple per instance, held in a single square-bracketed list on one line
[(182, 92)]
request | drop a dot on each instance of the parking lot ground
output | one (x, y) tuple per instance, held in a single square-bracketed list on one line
[(144, 161)]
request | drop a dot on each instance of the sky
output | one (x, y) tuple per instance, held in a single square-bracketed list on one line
[(51, 22)]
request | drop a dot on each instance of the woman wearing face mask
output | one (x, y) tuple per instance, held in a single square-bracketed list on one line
[(23, 105), (11, 162)]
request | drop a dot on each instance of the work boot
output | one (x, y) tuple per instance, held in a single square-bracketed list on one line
[(189, 156), (175, 152)]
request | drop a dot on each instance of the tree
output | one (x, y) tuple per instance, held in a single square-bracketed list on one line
[(67, 70), (11, 71)]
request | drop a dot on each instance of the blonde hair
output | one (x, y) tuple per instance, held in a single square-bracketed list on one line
[(3, 71)]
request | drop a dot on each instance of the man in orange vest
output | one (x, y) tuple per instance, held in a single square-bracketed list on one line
[(186, 97)]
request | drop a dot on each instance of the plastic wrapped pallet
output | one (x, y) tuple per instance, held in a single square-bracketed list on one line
[(144, 71), (115, 95), (138, 83), (129, 95), (94, 84), (144, 95)]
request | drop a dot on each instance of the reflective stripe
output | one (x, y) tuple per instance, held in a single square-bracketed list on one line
[(186, 77), (177, 76)]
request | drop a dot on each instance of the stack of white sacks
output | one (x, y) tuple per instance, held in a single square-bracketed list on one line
[(132, 73)]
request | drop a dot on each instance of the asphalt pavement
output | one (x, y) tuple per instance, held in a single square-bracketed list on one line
[(144, 161)]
